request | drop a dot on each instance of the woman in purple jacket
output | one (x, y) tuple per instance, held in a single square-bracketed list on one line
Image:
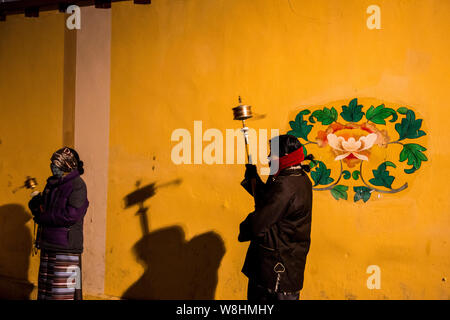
[(59, 211)]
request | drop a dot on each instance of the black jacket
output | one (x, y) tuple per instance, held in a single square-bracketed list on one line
[(278, 230)]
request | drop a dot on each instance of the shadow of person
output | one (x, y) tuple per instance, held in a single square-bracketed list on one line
[(177, 269), (15, 250)]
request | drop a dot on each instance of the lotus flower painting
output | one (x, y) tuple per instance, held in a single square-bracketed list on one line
[(351, 137)]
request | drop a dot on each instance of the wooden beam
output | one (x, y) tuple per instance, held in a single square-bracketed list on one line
[(32, 12), (31, 8)]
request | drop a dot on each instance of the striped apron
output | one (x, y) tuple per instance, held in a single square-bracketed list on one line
[(59, 276)]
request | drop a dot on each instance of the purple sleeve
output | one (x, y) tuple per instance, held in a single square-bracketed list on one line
[(74, 209)]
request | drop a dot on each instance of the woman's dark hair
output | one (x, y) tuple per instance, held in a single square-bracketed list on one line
[(80, 163), (287, 144)]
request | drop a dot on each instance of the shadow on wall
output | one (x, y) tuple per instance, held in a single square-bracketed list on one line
[(15, 250), (174, 268)]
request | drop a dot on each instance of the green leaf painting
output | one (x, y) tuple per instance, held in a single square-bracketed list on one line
[(352, 112), (346, 174), (325, 116), (362, 192), (379, 114), (402, 110), (305, 152), (409, 127), (404, 121), (381, 175), (413, 153), (300, 127), (313, 163), (321, 175), (339, 192)]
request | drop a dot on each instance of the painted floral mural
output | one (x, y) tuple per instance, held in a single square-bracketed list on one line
[(352, 139)]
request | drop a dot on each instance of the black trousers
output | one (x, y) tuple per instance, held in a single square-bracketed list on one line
[(256, 292)]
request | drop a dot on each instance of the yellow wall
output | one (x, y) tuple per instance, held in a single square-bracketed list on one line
[(31, 96), (174, 62)]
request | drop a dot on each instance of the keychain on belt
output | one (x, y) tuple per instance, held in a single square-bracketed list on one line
[(279, 269)]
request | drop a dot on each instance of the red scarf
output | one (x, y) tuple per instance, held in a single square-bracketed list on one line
[(290, 160)]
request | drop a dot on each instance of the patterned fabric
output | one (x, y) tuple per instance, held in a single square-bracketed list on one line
[(65, 159), (59, 276)]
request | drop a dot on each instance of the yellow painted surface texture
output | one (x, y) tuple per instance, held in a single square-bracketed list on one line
[(31, 96), (174, 62)]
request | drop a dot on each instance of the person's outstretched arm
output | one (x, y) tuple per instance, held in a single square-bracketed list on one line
[(251, 173)]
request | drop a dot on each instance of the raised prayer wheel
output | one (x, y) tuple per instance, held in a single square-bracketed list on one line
[(242, 112)]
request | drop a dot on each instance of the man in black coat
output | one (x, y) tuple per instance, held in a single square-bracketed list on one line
[(279, 228)]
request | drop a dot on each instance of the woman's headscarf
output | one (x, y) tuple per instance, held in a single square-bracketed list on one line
[(65, 159)]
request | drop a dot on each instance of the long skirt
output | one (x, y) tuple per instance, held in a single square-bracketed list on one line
[(59, 276)]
